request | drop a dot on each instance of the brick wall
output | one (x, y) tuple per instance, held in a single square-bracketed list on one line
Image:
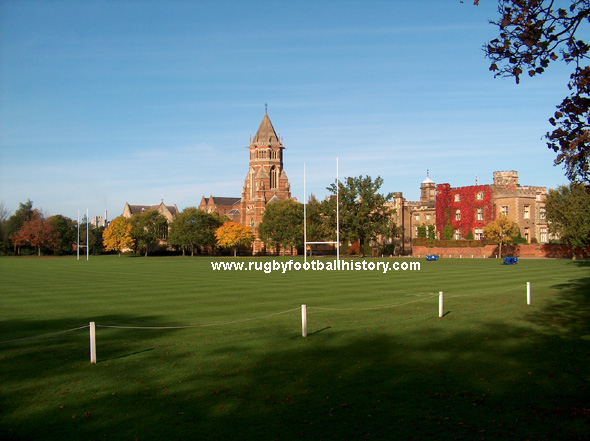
[(490, 251)]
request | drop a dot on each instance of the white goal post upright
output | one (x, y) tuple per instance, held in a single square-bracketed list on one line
[(305, 242), (78, 238)]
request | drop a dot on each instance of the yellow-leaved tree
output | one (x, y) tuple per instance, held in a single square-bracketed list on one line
[(501, 231), (233, 235), (117, 236)]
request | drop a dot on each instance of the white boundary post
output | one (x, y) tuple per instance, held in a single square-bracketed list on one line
[(93, 342), (440, 304), (304, 320), (528, 293)]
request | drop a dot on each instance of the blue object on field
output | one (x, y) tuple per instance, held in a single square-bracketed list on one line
[(510, 261), (431, 257)]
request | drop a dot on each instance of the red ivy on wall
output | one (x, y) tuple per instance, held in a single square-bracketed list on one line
[(447, 206)]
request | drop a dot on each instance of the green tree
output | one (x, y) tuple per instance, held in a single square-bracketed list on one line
[(431, 232), (233, 235), (282, 225), (532, 35), (501, 231), (422, 231), (319, 226), (447, 232), (66, 230), (194, 228), (117, 236), (363, 213), (147, 229), (568, 215)]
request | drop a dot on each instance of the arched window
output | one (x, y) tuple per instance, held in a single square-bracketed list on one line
[(273, 177)]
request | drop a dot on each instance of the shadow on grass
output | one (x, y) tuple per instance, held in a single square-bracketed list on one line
[(482, 380)]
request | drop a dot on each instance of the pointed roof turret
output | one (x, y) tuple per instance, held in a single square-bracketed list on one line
[(266, 135)]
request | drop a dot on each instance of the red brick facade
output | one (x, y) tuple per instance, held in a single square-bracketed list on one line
[(266, 180), (491, 251), (466, 209)]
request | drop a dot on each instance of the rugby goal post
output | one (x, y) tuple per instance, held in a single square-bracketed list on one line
[(78, 246), (305, 242)]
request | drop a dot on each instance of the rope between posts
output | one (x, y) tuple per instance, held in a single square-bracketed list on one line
[(199, 325), (485, 293), (373, 307), (44, 335)]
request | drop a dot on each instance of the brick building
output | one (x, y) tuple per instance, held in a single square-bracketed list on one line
[(265, 182), (468, 209)]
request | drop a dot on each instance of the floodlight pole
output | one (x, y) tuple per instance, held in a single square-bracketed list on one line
[(87, 244)]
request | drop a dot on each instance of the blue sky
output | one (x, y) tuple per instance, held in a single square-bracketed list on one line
[(108, 102)]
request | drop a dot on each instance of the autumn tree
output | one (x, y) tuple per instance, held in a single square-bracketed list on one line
[(282, 225), (568, 215), (37, 233), (532, 35), (233, 235), (501, 231), (147, 229), (363, 213), (25, 213), (117, 236), (193, 228)]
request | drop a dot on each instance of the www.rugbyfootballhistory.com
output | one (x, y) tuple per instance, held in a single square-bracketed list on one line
[(316, 265)]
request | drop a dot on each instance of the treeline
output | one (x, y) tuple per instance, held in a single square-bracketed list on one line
[(28, 231), (364, 217)]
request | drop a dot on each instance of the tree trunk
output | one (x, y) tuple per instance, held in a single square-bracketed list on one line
[(500, 252), (39, 252), (235, 252)]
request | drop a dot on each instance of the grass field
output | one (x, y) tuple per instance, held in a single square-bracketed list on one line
[(378, 362)]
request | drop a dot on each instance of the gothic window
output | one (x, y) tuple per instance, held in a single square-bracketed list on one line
[(273, 177), (458, 215), (480, 214), (457, 197)]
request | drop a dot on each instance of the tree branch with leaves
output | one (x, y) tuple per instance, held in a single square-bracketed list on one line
[(532, 35)]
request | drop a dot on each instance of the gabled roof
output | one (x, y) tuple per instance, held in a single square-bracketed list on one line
[(137, 209), (266, 135), (262, 174), (225, 201)]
